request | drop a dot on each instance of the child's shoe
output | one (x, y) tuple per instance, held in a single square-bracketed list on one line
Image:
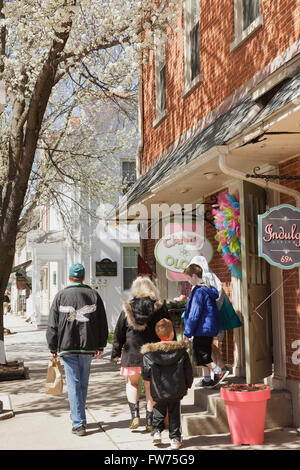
[(175, 444), (220, 377), (204, 384), (157, 438)]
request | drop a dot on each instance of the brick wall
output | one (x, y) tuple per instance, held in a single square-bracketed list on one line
[(291, 285), (222, 71)]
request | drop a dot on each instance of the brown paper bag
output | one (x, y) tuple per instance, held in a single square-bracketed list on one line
[(54, 379)]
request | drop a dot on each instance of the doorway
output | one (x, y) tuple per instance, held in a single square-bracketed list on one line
[(256, 286)]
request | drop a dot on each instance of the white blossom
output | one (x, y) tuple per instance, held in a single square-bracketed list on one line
[(90, 46)]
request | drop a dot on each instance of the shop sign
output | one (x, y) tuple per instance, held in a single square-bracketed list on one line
[(20, 281), (175, 250), (106, 267), (279, 236)]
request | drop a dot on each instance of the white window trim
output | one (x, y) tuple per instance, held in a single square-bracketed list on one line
[(282, 73), (241, 35), (160, 114), (189, 84)]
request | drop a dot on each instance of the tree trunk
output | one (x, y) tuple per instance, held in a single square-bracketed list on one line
[(23, 143)]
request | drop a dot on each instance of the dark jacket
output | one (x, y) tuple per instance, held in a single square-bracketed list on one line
[(135, 327), (77, 321), (201, 316), (168, 368)]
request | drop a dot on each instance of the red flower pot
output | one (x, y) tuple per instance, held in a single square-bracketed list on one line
[(246, 413)]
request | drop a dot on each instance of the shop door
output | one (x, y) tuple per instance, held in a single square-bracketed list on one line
[(256, 288)]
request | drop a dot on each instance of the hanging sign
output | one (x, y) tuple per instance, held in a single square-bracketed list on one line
[(279, 236), (106, 267), (177, 247)]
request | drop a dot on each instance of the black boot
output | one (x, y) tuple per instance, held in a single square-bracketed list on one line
[(149, 419), (135, 414)]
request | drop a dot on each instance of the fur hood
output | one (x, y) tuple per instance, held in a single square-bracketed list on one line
[(139, 311), (164, 346)]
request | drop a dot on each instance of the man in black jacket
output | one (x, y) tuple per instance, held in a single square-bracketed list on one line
[(77, 330), (168, 368)]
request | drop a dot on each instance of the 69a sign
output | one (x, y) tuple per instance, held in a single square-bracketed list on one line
[(279, 236)]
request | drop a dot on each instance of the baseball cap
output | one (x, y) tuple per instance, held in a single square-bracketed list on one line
[(77, 271)]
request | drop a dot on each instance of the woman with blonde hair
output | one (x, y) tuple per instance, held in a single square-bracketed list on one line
[(136, 327)]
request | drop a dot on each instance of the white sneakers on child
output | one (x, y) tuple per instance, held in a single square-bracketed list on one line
[(175, 444)]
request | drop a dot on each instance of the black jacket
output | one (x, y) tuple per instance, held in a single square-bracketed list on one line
[(135, 327), (168, 368), (77, 321)]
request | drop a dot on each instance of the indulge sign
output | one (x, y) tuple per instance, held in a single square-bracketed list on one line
[(279, 236)]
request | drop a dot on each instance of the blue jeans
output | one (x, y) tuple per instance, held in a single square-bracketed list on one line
[(77, 370)]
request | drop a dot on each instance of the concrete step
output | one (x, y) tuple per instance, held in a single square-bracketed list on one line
[(207, 414)]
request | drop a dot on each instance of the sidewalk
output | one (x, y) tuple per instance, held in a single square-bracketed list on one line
[(43, 421)]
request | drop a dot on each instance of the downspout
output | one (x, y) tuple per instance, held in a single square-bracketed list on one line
[(239, 175)]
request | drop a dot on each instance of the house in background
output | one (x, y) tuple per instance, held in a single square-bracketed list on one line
[(46, 252), (219, 100)]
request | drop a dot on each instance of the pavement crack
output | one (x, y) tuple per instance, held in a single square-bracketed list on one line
[(102, 429)]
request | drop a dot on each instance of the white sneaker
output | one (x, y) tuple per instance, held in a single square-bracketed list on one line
[(157, 438), (175, 444)]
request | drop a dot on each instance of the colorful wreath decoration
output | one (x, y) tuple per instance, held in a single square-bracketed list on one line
[(227, 223)]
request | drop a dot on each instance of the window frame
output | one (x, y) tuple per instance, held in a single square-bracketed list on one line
[(189, 25), (124, 246), (240, 34), (127, 160)]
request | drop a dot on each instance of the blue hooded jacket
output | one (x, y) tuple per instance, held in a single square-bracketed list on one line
[(201, 316)]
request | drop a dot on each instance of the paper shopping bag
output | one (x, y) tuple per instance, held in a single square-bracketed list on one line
[(54, 379)]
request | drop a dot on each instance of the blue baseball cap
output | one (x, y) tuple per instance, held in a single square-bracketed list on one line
[(77, 271)]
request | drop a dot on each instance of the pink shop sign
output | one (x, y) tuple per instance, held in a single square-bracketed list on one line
[(279, 236)]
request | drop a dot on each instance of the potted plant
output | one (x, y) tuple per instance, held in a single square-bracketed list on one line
[(246, 412)]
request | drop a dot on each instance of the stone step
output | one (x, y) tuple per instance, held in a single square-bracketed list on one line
[(208, 414)]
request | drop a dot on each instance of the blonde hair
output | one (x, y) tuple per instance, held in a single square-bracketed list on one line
[(142, 286), (164, 328)]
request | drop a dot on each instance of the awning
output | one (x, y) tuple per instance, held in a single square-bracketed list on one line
[(22, 266), (246, 115)]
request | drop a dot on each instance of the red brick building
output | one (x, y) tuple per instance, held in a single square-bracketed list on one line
[(219, 98)]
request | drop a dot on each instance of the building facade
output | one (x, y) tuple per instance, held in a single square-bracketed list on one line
[(220, 113)]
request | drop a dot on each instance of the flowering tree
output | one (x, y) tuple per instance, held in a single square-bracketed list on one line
[(49, 49)]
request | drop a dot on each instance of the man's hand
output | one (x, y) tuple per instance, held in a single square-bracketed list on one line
[(98, 354)]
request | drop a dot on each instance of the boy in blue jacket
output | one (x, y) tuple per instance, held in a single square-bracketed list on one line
[(201, 320)]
